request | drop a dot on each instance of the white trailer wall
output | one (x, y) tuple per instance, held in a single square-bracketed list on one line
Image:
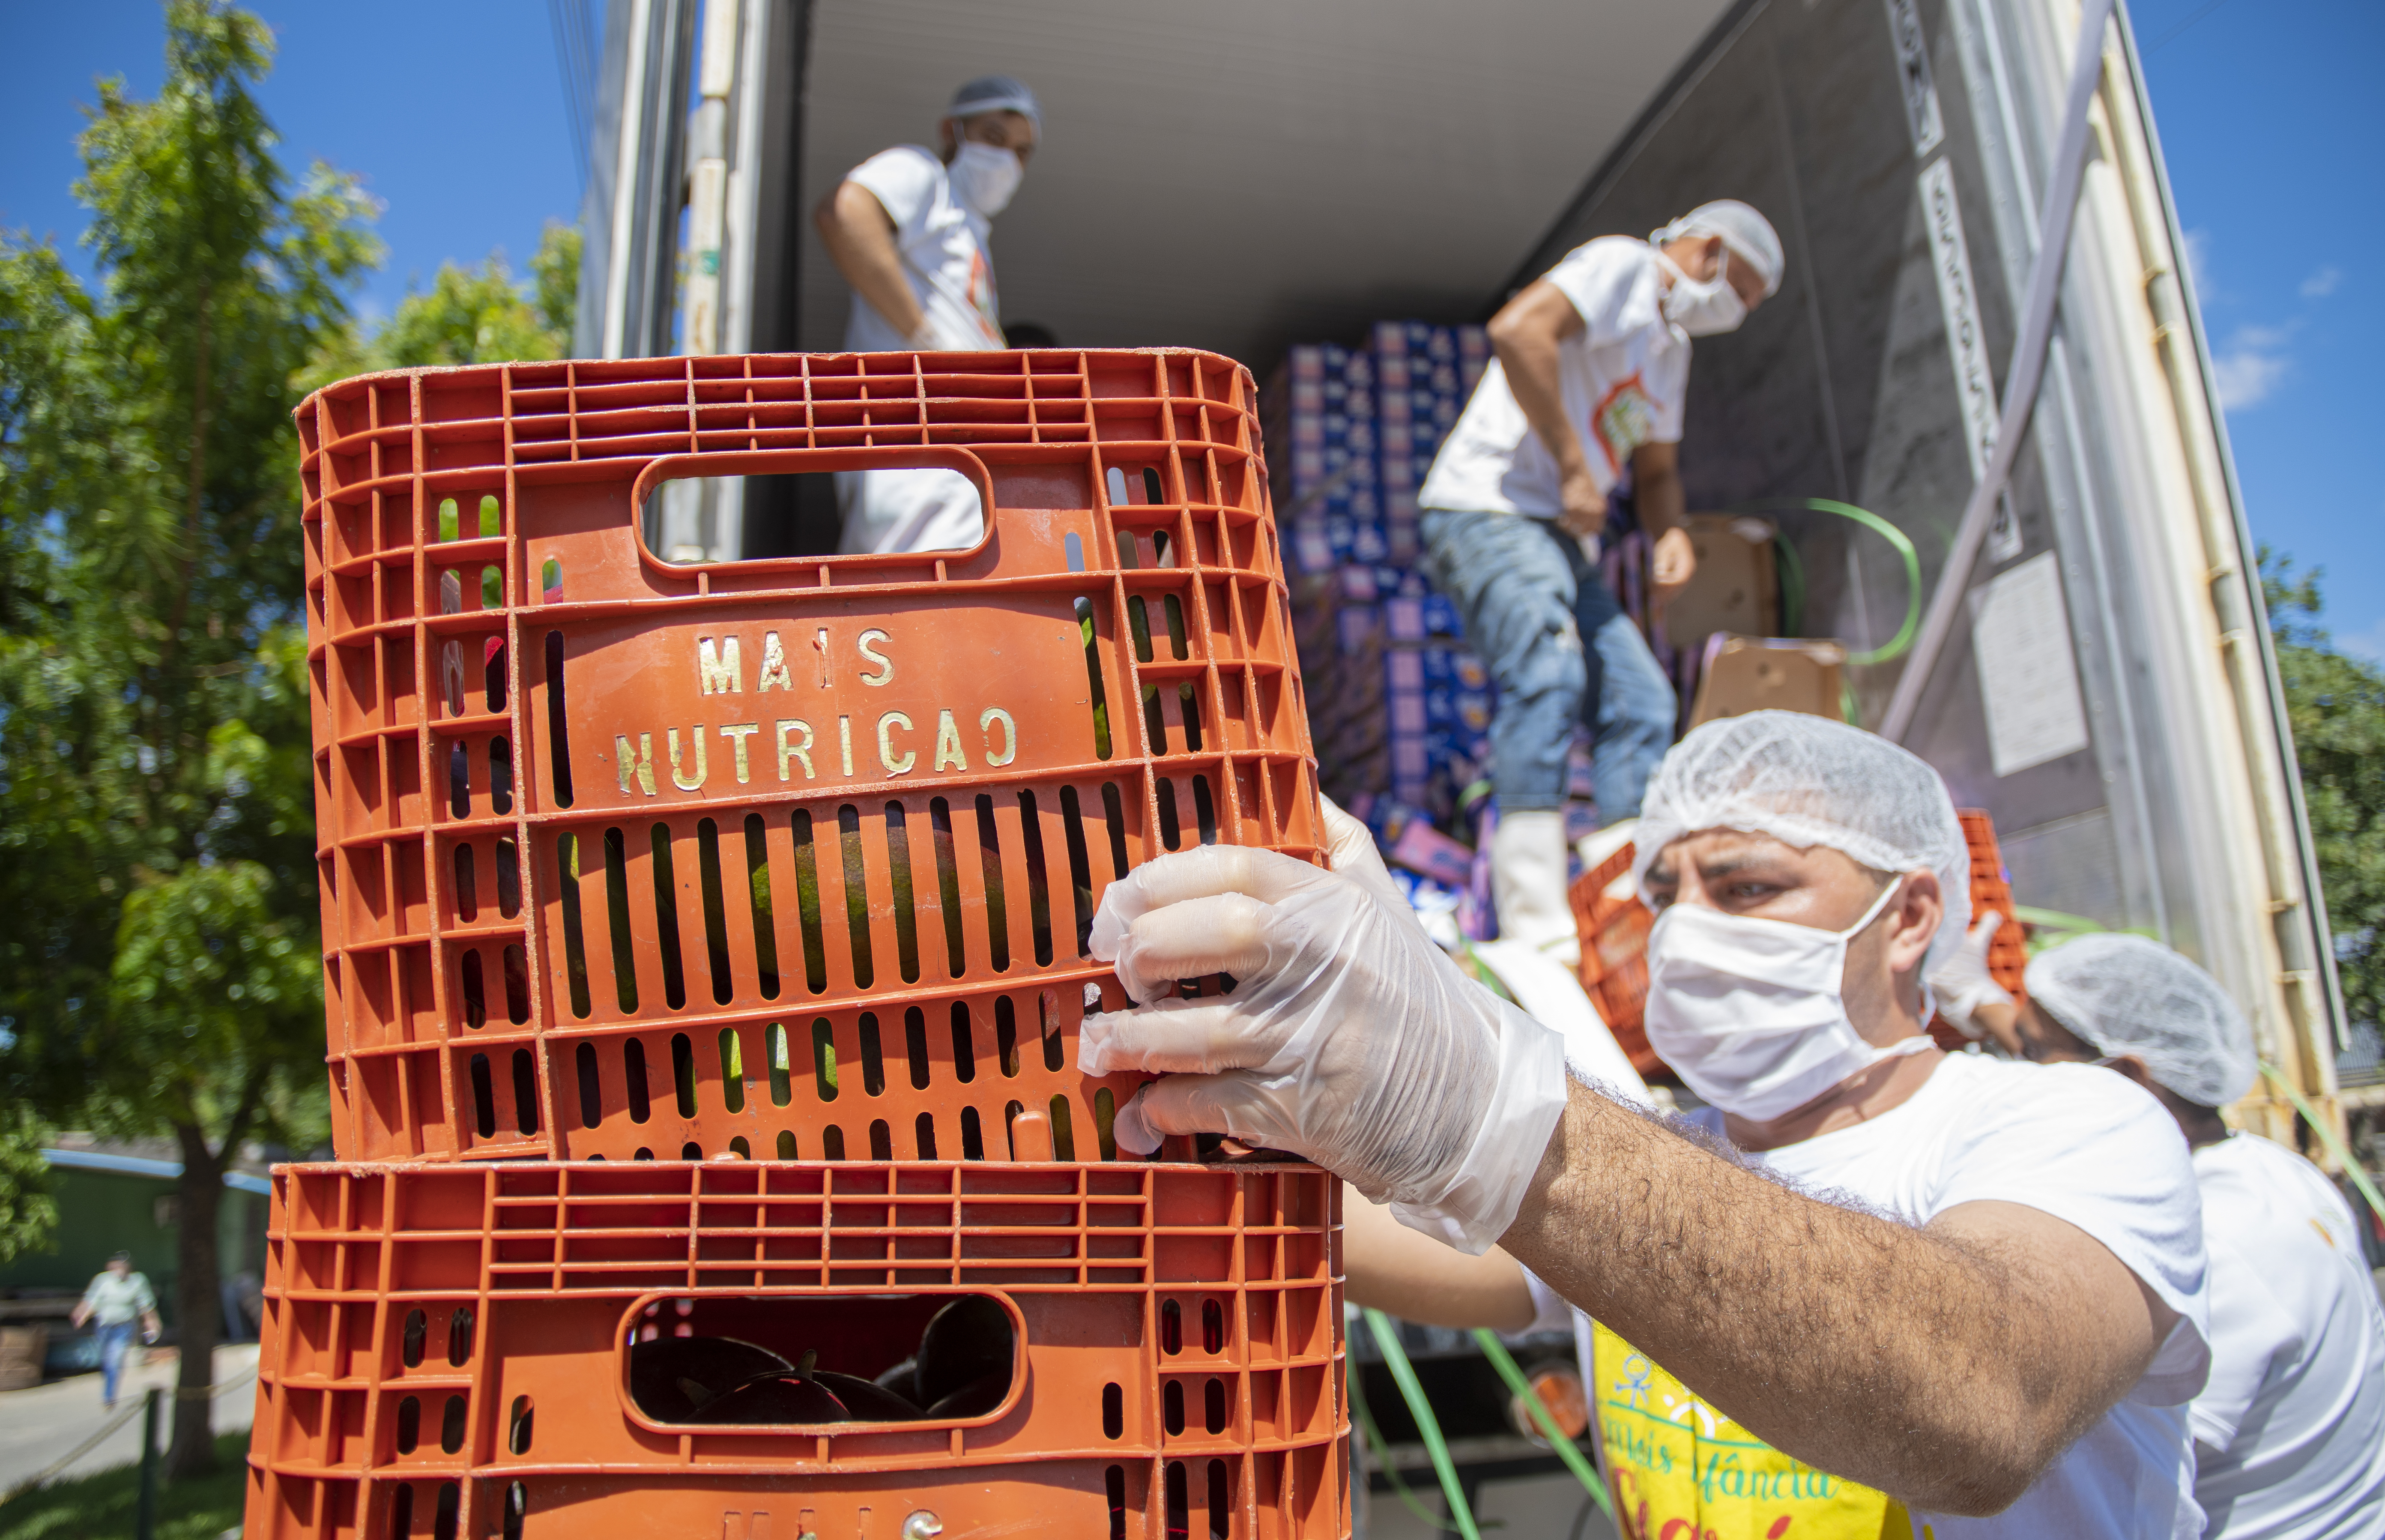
[(2163, 800)]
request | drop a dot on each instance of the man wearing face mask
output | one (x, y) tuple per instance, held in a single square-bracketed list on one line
[(1583, 399), (911, 232), (1974, 1287)]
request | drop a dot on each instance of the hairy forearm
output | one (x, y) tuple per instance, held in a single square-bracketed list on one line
[(1886, 1355), (854, 229)]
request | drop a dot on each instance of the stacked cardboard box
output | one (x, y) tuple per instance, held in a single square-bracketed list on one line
[(1399, 710)]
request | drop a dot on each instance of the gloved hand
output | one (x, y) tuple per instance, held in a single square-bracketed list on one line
[(1963, 985), (1350, 846), (1349, 1038)]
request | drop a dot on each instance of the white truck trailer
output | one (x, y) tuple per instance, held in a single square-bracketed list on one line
[(1242, 174)]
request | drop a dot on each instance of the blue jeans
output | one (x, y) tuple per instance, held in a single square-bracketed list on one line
[(114, 1342), (1528, 595)]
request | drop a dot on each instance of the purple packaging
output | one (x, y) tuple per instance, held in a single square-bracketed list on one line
[(1406, 715), (1425, 849), (1311, 547), (1355, 626), (1403, 621)]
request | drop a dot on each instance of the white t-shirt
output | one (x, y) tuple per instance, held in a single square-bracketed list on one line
[(945, 248), (1623, 380), (2087, 1146), (2291, 1431)]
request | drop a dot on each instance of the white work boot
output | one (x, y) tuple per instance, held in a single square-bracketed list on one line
[(1528, 883)]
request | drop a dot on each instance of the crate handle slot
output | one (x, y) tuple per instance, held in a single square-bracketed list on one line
[(840, 1332), (765, 462)]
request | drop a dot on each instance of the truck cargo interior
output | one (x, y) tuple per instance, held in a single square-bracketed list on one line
[(1243, 177)]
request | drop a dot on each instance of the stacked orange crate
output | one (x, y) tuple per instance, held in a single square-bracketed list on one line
[(786, 867)]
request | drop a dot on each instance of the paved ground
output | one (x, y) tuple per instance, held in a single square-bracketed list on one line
[(1541, 1507), (40, 1424)]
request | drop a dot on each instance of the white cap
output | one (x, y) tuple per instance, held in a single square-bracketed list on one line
[(1749, 235), (1808, 781), (2126, 995), (996, 93)]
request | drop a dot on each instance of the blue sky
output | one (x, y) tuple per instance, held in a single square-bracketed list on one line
[(453, 114)]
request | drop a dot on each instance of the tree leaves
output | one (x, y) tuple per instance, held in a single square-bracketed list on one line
[(2335, 704), (468, 316), (155, 783)]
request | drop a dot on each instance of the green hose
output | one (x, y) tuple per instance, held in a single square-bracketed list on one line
[(1383, 1451), (1794, 572), (1505, 1362), (2327, 1136), (1387, 1337)]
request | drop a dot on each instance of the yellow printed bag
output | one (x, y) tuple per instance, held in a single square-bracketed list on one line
[(1682, 1470)]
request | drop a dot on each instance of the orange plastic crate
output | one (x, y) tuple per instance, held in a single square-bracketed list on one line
[(445, 1349), (1615, 957), (1615, 942), (789, 858), (1991, 890)]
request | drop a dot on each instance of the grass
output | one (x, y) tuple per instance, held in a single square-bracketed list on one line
[(103, 1505)]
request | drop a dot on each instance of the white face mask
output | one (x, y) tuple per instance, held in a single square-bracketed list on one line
[(986, 177), (1703, 307), (1748, 1010)]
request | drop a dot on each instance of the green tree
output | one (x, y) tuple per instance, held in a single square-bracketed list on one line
[(156, 780), (29, 1207), (468, 316), (2336, 705)]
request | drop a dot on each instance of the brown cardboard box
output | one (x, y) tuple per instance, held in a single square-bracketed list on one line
[(1769, 673), (1734, 588)]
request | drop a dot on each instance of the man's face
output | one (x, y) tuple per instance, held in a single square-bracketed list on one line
[(119, 1267), (1700, 255), (1005, 130), (1759, 876)]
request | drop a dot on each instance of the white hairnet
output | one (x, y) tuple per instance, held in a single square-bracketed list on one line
[(1808, 781), (1748, 233), (996, 93), (2126, 995)]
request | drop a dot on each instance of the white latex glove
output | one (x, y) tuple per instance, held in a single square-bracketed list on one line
[(1961, 982), (1349, 1038), (1351, 846)]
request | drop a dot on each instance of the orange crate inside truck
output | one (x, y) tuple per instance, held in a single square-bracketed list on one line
[(790, 857), (1613, 931), (452, 1351)]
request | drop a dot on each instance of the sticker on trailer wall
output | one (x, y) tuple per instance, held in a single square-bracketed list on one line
[(2029, 676), (1967, 343), (1921, 114)]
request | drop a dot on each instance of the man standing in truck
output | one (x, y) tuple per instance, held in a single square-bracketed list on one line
[(911, 230), (1582, 402)]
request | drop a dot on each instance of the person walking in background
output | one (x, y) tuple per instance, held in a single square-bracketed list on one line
[(911, 230), (1583, 400), (119, 1299)]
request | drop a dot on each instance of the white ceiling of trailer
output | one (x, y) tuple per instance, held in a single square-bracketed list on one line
[(1238, 174)]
